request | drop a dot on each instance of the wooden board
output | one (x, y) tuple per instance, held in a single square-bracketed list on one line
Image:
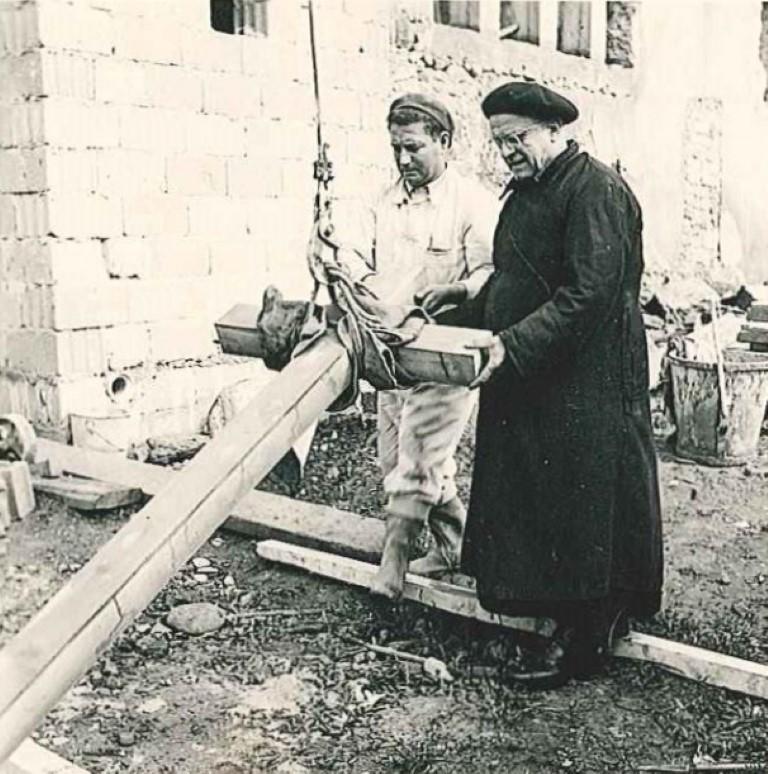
[(459, 600), (31, 758), (437, 355), (753, 334), (88, 495), (259, 515), (56, 648), (758, 313), (684, 660)]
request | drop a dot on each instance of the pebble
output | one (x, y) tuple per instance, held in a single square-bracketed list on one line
[(199, 578), (152, 646), (229, 580), (196, 618), (200, 561), (126, 738), (151, 706)]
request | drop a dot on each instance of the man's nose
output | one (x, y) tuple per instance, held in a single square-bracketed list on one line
[(404, 158)]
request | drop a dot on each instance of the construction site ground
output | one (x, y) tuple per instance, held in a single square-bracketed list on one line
[(285, 685)]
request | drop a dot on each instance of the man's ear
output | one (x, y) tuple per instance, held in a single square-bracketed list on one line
[(446, 140)]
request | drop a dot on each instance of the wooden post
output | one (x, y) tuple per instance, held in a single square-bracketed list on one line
[(56, 648)]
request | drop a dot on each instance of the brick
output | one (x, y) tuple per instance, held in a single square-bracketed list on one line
[(17, 482), (90, 305), (196, 175), (20, 77), (121, 81), (127, 257), (232, 94), (174, 257), (174, 87), (181, 340), (153, 215), (215, 135), (124, 172), (248, 178), (75, 26), (21, 125), (152, 38), (153, 129), (18, 28), (71, 171), (73, 123), (72, 260), (84, 215), (32, 218), (126, 346), (68, 74), (213, 216), (33, 351)]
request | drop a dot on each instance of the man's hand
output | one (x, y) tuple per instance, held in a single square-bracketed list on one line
[(435, 296), (494, 353)]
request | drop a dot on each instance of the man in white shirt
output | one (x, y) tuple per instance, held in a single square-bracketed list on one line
[(427, 239)]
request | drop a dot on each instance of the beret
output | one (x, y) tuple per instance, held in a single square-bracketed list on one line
[(525, 98), (427, 105)]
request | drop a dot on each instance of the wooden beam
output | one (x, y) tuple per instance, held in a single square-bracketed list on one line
[(705, 666), (458, 600), (87, 494), (56, 648), (437, 355), (31, 758), (260, 515)]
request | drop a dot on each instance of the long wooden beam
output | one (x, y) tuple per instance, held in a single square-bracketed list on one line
[(56, 648), (31, 758), (705, 666)]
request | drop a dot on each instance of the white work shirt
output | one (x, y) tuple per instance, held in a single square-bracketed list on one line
[(436, 234)]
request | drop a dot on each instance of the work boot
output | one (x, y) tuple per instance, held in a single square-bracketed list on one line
[(398, 537), (446, 523)]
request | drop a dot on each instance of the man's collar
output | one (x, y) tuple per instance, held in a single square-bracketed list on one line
[(571, 149), (430, 190)]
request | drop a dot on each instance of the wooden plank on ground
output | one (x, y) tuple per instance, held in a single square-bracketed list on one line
[(437, 355), (260, 515), (31, 758), (458, 600), (87, 494), (753, 334), (56, 648), (705, 666)]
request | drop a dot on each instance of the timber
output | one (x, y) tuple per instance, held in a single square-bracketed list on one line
[(56, 648), (31, 758), (698, 664), (88, 495), (259, 515)]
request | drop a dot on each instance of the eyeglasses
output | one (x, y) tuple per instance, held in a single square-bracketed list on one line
[(517, 139)]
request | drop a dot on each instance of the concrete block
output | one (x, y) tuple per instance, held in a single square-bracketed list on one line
[(174, 87), (287, 101), (181, 340), (81, 352), (10, 306), (215, 135), (24, 261), (212, 51), (297, 179), (179, 257), (155, 214), (90, 305), (126, 346), (20, 77), (212, 216), (37, 306), (18, 28), (71, 123), (153, 129), (68, 74), (84, 215), (235, 257), (166, 299), (17, 482), (32, 215), (121, 81), (151, 38), (72, 171), (248, 177), (7, 216), (125, 172), (21, 124), (232, 94), (70, 261), (33, 351), (75, 26), (127, 257), (281, 139), (196, 175)]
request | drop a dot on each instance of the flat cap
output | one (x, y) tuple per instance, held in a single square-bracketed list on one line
[(427, 105), (525, 98)]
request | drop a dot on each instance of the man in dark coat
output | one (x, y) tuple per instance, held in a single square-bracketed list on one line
[(564, 516)]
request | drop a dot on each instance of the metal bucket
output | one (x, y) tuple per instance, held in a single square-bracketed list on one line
[(705, 433)]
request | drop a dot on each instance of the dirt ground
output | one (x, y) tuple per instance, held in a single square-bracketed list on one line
[(285, 686)]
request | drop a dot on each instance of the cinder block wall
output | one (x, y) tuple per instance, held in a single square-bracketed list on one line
[(153, 172)]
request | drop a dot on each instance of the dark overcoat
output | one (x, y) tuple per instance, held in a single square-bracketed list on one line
[(564, 505)]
